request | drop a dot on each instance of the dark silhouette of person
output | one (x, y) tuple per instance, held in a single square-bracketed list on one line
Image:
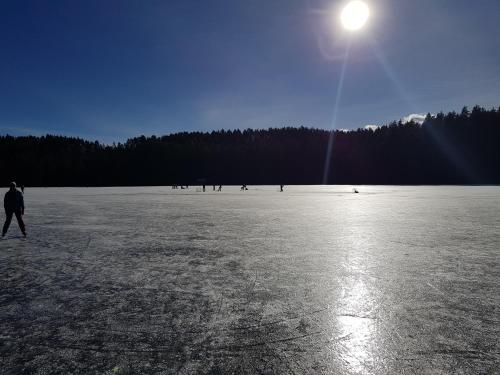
[(14, 205), (203, 187), (220, 188), (244, 187), (281, 188)]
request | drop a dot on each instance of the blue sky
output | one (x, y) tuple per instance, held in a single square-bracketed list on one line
[(114, 69)]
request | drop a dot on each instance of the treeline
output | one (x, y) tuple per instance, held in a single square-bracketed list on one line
[(453, 148)]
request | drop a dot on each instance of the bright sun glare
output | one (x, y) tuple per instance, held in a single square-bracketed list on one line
[(354, 15)]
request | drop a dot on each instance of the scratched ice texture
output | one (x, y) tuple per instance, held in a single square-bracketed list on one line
[(314, 280)]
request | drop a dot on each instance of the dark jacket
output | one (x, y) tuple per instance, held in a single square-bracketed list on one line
[(13, 201)]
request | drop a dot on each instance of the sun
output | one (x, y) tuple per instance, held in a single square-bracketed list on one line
[(354, 15)]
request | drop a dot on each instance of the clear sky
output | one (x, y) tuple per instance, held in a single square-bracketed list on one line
[(113, 69)]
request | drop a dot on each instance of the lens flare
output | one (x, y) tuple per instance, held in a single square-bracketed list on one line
[(354, 15)]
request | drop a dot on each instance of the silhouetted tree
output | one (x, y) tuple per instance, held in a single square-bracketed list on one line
[(447, 148)]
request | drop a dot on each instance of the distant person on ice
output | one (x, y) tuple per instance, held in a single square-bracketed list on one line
[(14, 205)]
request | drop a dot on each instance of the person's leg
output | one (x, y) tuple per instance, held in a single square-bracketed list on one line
[(20, 221), (8, 218)]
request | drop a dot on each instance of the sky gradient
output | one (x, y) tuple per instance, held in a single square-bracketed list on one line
[(115, 69)]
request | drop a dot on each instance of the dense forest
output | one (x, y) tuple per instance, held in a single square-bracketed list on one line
[(453, 148)]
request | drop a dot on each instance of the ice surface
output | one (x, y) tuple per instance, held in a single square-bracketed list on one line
[(394, 280)]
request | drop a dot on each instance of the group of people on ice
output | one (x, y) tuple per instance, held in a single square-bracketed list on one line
[(13, 204), (203, 187)]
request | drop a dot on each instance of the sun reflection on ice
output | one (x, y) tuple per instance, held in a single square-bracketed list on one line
[(355, 335), (358, 337), (355, 328)]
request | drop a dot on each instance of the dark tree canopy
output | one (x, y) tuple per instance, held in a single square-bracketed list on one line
[(446, 149)]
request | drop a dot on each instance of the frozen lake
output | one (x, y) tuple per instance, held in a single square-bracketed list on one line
[(314, 280)]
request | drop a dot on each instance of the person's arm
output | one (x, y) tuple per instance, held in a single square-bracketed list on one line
[(5, 202), (22, 204)]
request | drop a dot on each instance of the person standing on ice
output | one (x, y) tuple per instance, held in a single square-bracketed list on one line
[(14, 205)]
